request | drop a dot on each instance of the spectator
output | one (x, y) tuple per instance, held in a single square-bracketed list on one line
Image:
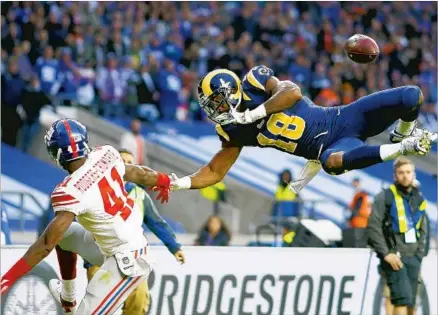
[(37, 47), (70, 78), (111, 88), (300, 71), (307, 38), (11, 93), (147, 95), (360, 206), (286, 203), (33, 100), (24, 66), (85, 92), (169, 85), (134, 142), (214, 233), (117, 46), (48, 72), (397, 230), (12, 39)]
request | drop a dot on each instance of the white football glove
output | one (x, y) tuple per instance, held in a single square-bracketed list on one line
[(249, 116), (179, 183)]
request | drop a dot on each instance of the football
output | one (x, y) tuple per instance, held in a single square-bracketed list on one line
[(361, 49)]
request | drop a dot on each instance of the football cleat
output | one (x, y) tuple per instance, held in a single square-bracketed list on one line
[(396, 137), (416, 145), (55, 289)]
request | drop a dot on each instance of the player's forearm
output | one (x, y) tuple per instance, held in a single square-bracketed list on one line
[(285, 97), (38, 251), (142, 175), (205, 177), (48, 240), (148, 178)]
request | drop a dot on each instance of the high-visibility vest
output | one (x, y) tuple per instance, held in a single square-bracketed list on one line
[(361, 214), (402, 216), (284, 194), (213, 192)]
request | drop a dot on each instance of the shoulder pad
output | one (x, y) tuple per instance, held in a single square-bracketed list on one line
[(110, 150), (258, 76)]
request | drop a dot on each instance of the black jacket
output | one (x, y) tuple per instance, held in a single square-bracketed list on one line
[(32, 102), (382, 238)]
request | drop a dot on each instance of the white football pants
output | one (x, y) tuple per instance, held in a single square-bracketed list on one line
[(109, 287)]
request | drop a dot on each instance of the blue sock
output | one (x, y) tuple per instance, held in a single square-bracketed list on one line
[(361, 157)]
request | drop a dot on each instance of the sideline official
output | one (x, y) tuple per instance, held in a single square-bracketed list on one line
[(397, 232)]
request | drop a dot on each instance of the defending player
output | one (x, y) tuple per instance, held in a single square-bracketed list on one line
[(93, 193), (265, 112), (139, 300)]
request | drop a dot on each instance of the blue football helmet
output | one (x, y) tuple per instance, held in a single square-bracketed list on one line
[(66, 141), (219, 93)]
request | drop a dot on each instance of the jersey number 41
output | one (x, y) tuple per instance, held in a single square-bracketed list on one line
[(113, 203)]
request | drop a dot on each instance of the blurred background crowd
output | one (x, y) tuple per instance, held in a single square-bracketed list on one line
[(144, 59)]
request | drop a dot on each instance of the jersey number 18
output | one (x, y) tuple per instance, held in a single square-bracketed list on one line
[(290, 128)]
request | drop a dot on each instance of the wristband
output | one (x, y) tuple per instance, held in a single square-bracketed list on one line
[(259, 112), (184, 182), (18, 270), (163, 180)]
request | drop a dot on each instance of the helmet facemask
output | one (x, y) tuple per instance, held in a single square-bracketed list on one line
[(220, 104)]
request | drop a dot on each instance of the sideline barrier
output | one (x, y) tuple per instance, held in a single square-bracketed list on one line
[(241, 280)]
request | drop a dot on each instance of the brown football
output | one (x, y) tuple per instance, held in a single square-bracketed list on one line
[(361, 49)]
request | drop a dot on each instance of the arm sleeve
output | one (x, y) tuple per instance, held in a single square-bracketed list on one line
[(375, 225), (421, 251), (258, 76), (159, 226)]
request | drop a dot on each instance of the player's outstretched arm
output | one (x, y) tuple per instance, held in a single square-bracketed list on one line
[(142, 175), (39, 250), (285, 94), (211, 173)]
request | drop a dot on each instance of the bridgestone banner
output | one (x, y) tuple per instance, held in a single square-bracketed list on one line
[(242, 281)]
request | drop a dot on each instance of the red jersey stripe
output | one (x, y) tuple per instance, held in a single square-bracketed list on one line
[(73, 145)]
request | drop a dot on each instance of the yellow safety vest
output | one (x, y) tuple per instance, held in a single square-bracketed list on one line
[(405, 219), (284, 194), (212, 192), (138, 195)]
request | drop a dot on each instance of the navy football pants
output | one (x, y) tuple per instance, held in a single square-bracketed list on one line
[(373, 114)]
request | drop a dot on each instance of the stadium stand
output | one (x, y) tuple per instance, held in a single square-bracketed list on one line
[(146, 62)]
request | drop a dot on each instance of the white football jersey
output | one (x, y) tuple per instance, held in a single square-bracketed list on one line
[(95, 193)]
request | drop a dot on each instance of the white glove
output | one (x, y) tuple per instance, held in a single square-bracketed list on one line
[(249, 116), (179, 183)]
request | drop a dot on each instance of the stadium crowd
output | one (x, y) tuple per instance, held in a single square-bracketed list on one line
[(145, 59)]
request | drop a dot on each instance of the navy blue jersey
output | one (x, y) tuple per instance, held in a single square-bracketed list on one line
[(303, 130)]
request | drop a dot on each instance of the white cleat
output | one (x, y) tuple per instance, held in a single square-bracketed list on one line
[(416, 145), (55, 286), (396, 137)]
